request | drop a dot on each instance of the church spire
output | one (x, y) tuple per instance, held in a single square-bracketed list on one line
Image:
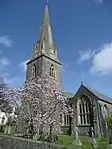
[(45, 45), (45, 31)]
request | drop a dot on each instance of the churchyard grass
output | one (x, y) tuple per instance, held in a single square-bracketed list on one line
[(86, 142), (67, 140)]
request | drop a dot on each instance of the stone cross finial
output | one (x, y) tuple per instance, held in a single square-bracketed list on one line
[(81, 82)]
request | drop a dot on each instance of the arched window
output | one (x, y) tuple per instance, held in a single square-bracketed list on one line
[(66, 119), (83, 111), (34, 70), (52, 72)]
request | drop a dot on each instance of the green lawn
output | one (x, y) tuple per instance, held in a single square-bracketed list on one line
[(67, 140), (86, 142)]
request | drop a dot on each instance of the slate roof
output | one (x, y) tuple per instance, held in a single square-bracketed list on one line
[(100, 95), (96, 93), (67, 94)]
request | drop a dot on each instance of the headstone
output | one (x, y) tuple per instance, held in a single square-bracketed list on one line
[(78, 141), (6, 129), (110, 139), (9, 129), (94, 143), (106, 126), (107, 146), (77, 133)]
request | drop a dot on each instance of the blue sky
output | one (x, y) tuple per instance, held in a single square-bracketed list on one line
[(82, 31)]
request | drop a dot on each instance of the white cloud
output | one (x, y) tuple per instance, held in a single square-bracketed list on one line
[(16, 81), (100, 1), (6, 41), (86, 55), (65, 68), (102, 60), (23, 65), (4, 74), (4, 61)]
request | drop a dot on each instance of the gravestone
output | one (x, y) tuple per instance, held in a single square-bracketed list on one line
[(94, 143), (77, 140), (110, 138)]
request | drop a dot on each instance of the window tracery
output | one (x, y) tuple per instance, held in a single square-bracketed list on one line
[(84, 111)]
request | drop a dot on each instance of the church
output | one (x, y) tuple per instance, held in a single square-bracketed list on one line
[(90, 107)]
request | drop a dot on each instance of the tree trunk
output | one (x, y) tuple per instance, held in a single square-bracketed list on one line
[(41, 131), (31, 129), (70, 126), (51, 133)]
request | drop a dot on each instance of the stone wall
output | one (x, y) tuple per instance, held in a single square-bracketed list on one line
[(8, 142)]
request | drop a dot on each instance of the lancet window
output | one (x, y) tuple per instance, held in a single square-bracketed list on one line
[(34, 70), (52, 71)]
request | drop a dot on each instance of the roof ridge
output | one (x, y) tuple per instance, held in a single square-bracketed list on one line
[(99, 94)]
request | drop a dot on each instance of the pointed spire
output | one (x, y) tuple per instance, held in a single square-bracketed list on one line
[(45, 31), (45, 43)]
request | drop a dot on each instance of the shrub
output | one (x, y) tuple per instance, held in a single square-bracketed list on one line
[(109, 121), (48, 138), (101, 139)]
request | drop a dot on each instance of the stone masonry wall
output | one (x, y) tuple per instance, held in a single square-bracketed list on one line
[(8, 142)]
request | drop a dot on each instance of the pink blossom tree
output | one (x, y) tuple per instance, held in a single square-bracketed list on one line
[(42, 103), (9, 103), (9, 97)]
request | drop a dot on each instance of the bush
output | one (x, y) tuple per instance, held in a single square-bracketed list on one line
[(109, 121), (101, 139), (48, 138)]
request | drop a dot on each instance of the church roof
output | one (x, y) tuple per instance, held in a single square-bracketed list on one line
[(99, 94), (67, 94)]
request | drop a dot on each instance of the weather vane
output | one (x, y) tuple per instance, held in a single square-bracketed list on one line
[(47, 2)]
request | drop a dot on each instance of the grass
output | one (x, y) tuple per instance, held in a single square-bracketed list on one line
[(86, 142), (67, 140)]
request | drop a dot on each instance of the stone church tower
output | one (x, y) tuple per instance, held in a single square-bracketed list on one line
[(44, 57)]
